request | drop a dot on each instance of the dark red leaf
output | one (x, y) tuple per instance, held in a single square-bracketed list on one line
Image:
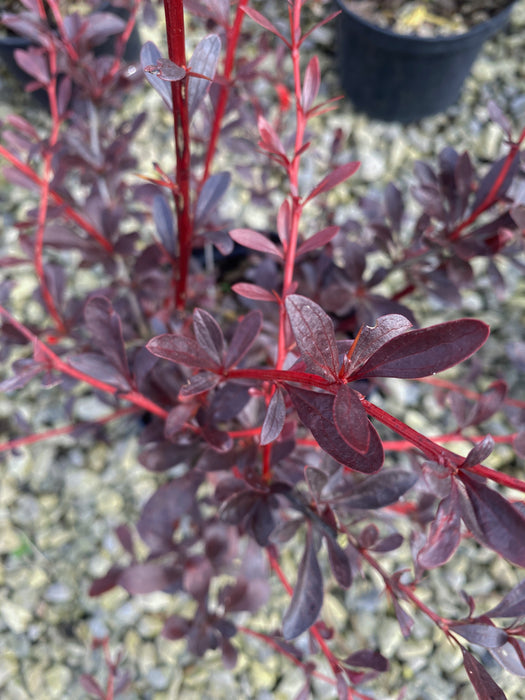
[(244, 594), (125, 538), (307, 598), (319, 239), (253, 291), (490, 178), (426, 351), (370, 339), (256, 241), (445, 533), (105, 327), (314, 334), (270, 141), (208, 334), (105, 583), (485, 686), (404, 620), (388, 543), (340, 174), (177, 417), (494, 521), (368, 536), (480, 633), (274, 419), (199, 384), (511, 605), (180, 349), (245, 334), (351, 420), (316, 411), (394, 205), (228, 401), (204, 61), (311, 83)]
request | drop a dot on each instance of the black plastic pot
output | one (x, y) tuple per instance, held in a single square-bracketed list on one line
[(404, 78)]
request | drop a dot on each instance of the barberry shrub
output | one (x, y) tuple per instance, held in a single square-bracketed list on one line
[(259, 363)]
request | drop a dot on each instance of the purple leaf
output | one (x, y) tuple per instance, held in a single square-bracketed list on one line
[(366, 658), (98, 367), (351, 420), (34, 62), (369, 339), (340, 174), (492, 520), (445, 533), (203, 61), (256, 241), (388, 543), (497, 115), (426, 351), (180, 349), (368, 536), (149, 55), (479, 452), (394, 205), (482, 634), (404, 620), (270, 141), (319, 239), (265, 23), (484, 685), (274, 419), (161, 512), (490, 178), (311, 83), (307, 598), (199, 384), (211, 193), (208, 334), (105, 327), (91, 686), (511, 605), (510, 658), (166, 70), (253, 291), (339, 563), (125, 538), (105, 583), (138, 579), (375, 491), (314, 334), (245, 334), (163, 217), (316, 411), (100, 25)]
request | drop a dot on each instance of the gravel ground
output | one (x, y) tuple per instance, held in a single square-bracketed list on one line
[(60, 500)]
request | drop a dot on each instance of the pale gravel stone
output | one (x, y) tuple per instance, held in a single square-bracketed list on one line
[(15, 616)]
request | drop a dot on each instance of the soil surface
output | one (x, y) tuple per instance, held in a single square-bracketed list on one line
[(427, 18)]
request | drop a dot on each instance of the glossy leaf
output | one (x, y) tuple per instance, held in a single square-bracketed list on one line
[(366, 658), (316, 411), (369, 339), (492, 520), (256, 241), (98, 367), (311, 83), (318, 240), (208, 334), (314, 334), (245, 334), (509, 658), (270, 140), (204, 61), (307, 597), (426, 351), (485, 686), (482, 634), (211, 193), (199, 383), (336, 177), (253, 291), (376, 491), (149, 56), (166, 70), (339, 563), (274, 419), (445, 533), (180, 349), (351, 420), (479, 452)]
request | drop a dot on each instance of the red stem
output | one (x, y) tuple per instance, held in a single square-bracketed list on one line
[(174, 12)]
